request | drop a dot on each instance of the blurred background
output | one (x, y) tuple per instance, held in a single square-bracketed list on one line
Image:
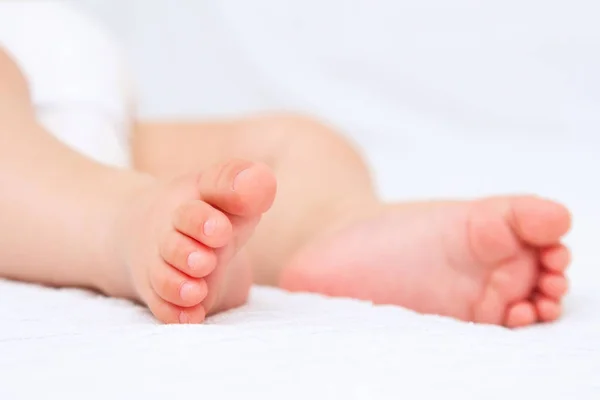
[(446, 98), (524, 69)]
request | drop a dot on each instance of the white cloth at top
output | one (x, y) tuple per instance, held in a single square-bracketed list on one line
[(79, 86), (412, 70)]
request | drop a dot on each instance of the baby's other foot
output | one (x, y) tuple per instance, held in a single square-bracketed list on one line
[(497, 261), (182, 241)]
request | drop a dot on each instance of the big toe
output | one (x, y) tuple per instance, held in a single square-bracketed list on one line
[(539, 222), (239, 187)]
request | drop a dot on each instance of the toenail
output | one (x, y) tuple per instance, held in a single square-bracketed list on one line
[(195, 260), (188, 291), (183, 317), (239, 177), (210, 226)]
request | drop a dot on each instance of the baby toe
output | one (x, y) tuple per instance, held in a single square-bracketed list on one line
[(556, 258), (239, 187), (539, 222), (520, 314), (204, 223), (187, 255), (552, 285), (168, 313), (176, 287), (547, 309), (192, 315)]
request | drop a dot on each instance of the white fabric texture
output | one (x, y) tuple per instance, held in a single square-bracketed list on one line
[(73, 344)]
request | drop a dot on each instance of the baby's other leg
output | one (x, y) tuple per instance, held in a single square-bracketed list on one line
[(321, 177)]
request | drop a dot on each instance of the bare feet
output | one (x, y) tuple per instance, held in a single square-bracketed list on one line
[(496, 261), (181, 241)]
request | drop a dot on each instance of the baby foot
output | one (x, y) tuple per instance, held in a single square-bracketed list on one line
[(182, 240), (496, 261)]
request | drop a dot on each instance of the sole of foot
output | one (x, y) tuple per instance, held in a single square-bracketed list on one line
[(495, 261)]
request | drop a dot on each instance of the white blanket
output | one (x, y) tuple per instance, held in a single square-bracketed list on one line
[(74, 344)]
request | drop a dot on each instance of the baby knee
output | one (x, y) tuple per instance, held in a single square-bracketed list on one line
[(296, 127)]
